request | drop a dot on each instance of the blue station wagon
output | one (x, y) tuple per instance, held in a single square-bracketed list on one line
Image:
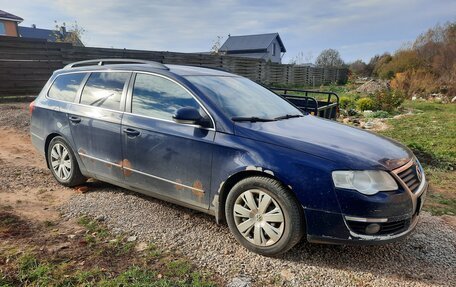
[(222, 144)]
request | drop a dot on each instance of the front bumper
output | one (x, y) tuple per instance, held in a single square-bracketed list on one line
[(337, 228)]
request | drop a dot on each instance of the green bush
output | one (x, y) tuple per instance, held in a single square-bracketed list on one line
[(388, 100), (378, 114), (365, 104), (346, 103)]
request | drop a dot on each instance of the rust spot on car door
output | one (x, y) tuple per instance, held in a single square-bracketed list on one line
[(178, 185), (198, 189), (126, 166)]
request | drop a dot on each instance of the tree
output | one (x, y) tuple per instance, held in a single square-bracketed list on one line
[(216, 44), (359, 68), (72, 34), (329, 58), (301, 58)]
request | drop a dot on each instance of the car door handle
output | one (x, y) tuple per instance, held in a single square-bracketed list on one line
[(131, 132), (75, 120)]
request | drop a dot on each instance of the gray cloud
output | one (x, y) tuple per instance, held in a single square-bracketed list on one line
[(359, 29)]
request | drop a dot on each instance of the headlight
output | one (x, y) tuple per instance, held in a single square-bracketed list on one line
[(367, 181)]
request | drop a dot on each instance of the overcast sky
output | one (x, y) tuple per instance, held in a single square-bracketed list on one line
[(359, 29)]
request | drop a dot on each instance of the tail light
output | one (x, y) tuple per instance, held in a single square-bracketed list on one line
[(31, 107)]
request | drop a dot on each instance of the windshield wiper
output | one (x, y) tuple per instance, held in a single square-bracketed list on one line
[(251, 119), (287, 116)]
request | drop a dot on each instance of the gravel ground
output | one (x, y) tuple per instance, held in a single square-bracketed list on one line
[(15, 116), (426, 258)]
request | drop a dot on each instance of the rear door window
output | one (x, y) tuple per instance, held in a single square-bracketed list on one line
[(158, 97), (65, 87), (104, 89)]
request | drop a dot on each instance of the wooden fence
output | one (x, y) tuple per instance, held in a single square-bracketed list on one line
[(26, 65)]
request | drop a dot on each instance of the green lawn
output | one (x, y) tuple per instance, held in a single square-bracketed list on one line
[(431, 134)]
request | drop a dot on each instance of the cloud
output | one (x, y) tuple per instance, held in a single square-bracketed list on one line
[(359, 29)]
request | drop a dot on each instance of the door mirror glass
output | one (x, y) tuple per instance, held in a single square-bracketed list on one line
[(188, 115)]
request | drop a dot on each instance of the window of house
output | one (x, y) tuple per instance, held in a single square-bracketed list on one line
[(273, 49), (104, 89), (2, 28), (159, 97), (65, 87)]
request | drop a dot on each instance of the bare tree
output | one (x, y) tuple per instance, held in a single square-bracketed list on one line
[(301, 58), (216, 44), (72, 34), (329, 58)]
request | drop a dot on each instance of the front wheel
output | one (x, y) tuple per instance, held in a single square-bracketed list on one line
[(63, 164), (264, 216)]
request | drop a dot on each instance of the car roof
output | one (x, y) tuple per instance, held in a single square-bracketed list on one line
[(180, 70)]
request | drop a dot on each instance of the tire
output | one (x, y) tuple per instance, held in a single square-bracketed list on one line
[(66, 171), (250, 222)]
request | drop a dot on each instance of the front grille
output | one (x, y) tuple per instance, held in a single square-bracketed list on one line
[(385, 228), (411, 176)]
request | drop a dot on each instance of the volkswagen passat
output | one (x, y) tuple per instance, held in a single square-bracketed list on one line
[(222, 144)]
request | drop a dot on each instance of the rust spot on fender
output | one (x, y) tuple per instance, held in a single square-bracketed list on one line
[(82, 151), (178, 186)]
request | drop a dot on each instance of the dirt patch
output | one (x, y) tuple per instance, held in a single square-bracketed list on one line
[(16, 148), (26, 184), (12, 226)]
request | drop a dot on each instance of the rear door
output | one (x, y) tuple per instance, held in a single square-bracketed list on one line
[(160, 155), (95, 123)]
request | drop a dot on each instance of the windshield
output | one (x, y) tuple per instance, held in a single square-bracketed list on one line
[(240, 97)]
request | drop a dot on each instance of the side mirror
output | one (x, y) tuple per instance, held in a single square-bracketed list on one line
[(188, 115)]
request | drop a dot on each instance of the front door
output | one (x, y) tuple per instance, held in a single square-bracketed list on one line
[(160, 155), (95, 124)]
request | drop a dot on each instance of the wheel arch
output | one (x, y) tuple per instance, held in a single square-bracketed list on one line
[(48, 140), (226, 186)]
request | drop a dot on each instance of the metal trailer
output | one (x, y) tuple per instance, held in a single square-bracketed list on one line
[(328, 108)]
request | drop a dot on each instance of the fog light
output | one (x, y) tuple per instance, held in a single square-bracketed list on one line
[(372, 228)]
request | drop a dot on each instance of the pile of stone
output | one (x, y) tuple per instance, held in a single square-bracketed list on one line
[(373, 86)]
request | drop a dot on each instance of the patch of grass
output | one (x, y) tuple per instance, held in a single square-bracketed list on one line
[(33, 272), (152, 252), (103, 260), (93, 227), (431, 134), (177, 268)]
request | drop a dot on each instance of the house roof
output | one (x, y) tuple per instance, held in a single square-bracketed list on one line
[(8, 16), (37, 33), (251, 42), (46, 34)]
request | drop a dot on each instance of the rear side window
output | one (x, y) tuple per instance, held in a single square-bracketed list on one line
[(159, 97), (65, 87), (104, 89)]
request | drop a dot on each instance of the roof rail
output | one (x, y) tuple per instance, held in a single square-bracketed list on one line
[(114, 61)]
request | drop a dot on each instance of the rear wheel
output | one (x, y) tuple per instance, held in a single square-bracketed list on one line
[(63, 164), (264, 216)]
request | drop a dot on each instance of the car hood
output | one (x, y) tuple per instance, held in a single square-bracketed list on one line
[(347, 146)]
